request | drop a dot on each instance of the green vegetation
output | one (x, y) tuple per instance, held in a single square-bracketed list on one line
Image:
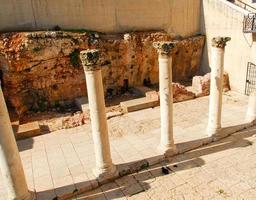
[(42, 104), (80, 31), (144, 166), (74, 58)]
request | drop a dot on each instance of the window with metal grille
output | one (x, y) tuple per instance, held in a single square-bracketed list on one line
[(250, 84)]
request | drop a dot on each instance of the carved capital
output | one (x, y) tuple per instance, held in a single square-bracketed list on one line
[(220, 42), (90, 59), (165, 48)]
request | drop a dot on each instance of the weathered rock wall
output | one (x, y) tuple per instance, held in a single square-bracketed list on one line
[(41, 69)]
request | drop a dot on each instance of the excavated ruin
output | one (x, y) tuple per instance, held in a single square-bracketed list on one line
[(42, 70)]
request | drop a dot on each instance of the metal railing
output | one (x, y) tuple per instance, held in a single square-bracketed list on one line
[(244, 5), (250, 84), (249, 23)]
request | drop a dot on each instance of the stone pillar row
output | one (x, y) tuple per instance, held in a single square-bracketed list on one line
[(10, 162)]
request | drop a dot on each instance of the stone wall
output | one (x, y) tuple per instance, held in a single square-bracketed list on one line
[(178, 17), (41, 69)]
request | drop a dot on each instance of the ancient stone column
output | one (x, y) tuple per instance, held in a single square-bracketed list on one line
[(166, 96), (91, 63), (215, 106), (251, 110), (13, 175)]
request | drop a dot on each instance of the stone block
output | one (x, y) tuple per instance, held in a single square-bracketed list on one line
[(139, 104), (201, 84), (27, 130), (152, 95), (82, 103), (138, 165)]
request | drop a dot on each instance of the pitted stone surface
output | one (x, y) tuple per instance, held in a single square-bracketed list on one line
[(165, 48), (220, 42), (90, 59), (41, 69)]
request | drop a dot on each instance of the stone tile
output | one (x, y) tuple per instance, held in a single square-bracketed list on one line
[(43, 183), (45, 195), (92, 195), (129, 186), (59, 172), (77, 170), (82, 181), (64, 185), (112, 191)]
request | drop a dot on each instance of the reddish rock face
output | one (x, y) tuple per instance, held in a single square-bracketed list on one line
[(180, 93), (201, 84), (41, 69)]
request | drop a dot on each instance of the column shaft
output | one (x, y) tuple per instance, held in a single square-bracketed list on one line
[(10, 162), (215, 106), (166, 101), (91, 62), (99, 122)]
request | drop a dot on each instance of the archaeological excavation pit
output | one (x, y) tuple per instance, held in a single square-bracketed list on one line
[(126, 96), (43, 77)]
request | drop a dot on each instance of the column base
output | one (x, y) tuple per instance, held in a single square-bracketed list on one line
[(213, 131), (167, 150), (104, 174)]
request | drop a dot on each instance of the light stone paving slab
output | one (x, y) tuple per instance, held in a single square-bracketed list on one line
[(62, 161)]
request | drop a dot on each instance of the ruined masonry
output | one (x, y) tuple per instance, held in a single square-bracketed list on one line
[(41, 69)]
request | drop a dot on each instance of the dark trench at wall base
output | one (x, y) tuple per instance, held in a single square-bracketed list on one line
[(44, 68)]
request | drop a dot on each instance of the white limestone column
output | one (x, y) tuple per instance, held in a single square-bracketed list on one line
[(164, 49), (251, 110), (215, 105), (91, 63), (13, 175)]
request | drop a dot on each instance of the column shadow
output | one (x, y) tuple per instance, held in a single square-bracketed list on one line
[(25, 144), (140, 168)]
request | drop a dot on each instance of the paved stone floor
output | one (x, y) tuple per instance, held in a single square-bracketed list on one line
[(221, 170), (62, 161)]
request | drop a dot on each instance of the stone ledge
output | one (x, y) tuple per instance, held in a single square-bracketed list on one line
[(139, 104), (27, 130)]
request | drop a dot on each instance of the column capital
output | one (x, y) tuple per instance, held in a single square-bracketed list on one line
[(220, 42), (90, 59), (165, 47)]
